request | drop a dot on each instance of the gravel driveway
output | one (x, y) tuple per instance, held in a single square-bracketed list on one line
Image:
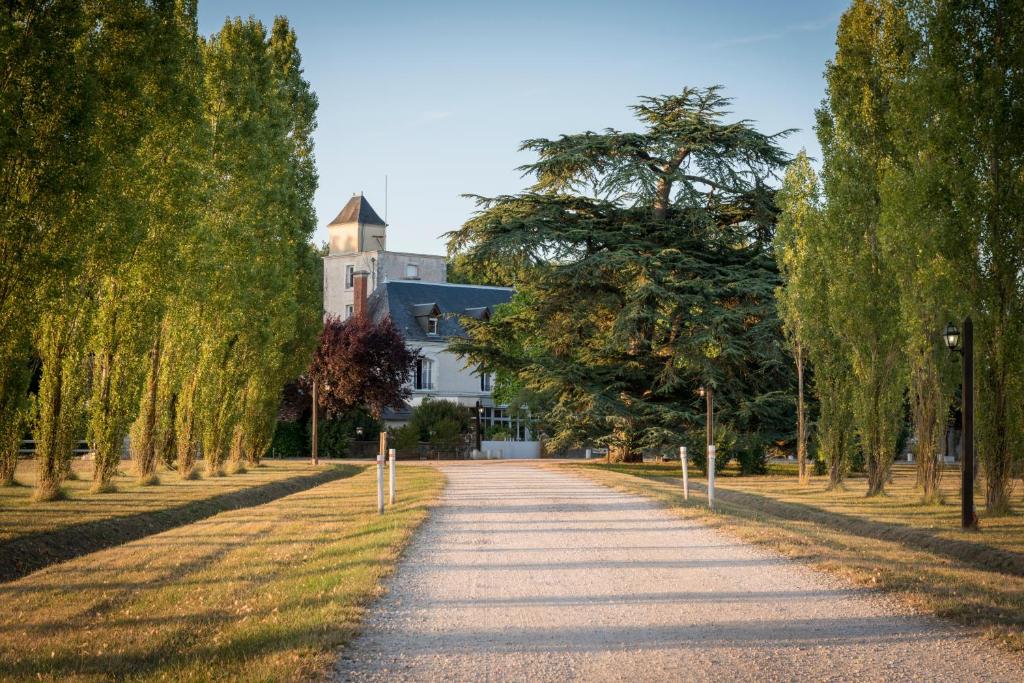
[(525, 574)]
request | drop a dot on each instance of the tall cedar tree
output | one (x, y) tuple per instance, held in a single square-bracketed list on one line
[(644, 271), (362, 364)]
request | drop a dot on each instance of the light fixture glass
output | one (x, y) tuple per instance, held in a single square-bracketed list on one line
[(952, 337)]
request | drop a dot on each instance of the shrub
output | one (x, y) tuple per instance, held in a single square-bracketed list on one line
[(446, 434), (497, 433), (428, 417), (290, 440), (406, 438)]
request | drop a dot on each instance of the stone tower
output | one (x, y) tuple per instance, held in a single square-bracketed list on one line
[(357, 228)]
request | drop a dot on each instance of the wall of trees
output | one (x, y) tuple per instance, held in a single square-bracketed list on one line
[(914, 221), (157, 274)]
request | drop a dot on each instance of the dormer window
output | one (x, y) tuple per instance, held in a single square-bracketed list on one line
[(427, 316), (412, 272)]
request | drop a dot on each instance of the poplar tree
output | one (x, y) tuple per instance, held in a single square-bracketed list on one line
[(858, 144), (804, 248), (127, 344), (117, 49), (48, 111), (958, 199)]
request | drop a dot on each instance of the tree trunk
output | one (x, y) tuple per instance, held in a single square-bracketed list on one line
[(801, 426), (185, 428), (927, 397), (145, 453), (236, 456), (662, 198), (106, 450), (49, 451)]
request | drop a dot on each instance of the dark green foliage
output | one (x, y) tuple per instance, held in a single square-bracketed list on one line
[(433, 419), (405, 439), (334, 437), (630, 300), (291, 439), (294, 439)]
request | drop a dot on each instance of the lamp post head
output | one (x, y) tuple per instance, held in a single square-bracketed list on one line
[(952, 337), (359, 431), (701, 392)]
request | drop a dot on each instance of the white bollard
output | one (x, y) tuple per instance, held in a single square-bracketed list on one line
[(686, 473), (711, 478), (391, 460), (380, 483)]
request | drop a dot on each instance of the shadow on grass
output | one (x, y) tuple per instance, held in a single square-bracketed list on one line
[(969, 553), (25, 554)]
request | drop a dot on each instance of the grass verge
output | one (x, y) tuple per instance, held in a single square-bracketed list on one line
[(268, 593), (20, 516), (24, 554), (890, 542)]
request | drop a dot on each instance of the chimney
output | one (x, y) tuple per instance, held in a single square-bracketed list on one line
[(359, 284)]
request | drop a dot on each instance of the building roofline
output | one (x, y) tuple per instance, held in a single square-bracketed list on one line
[(384, 251), (446, 284)]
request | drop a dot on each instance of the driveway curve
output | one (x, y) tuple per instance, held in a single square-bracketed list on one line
[(528, 574)]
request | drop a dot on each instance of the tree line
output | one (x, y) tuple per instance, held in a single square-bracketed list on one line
[(914, 220), (157, 278)]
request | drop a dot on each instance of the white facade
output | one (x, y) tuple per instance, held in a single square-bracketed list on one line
[(358, 242)]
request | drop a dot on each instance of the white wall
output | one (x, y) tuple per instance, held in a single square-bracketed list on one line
[(451, 379), (512, 449), (382, 265), (431, 268)]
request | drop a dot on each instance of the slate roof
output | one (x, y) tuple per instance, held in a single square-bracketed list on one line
[(358, 210), (404, 299)]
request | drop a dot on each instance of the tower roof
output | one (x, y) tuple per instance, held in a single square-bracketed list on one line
[(358, 210)]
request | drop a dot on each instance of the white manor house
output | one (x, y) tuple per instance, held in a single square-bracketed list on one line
[(361, 274)]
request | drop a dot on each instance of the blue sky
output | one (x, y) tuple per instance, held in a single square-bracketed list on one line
[(438, 95)]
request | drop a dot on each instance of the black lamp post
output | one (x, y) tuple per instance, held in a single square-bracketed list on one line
[(965, 345)]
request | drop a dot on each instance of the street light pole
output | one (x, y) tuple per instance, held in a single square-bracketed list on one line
[(316, 460), (965, 345), (479, 411), (708, 394), (968, 517), (710, 417)]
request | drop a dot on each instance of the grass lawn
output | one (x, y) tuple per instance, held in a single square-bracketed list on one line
[(266, 593), (34, 535), (889, 542), (20, 516)]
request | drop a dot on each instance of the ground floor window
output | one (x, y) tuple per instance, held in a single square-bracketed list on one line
[(499, 425)]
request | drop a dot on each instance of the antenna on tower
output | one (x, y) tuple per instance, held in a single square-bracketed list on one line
[(385, 198)]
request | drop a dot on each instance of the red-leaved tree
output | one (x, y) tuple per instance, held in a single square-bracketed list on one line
[(360, 363)]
